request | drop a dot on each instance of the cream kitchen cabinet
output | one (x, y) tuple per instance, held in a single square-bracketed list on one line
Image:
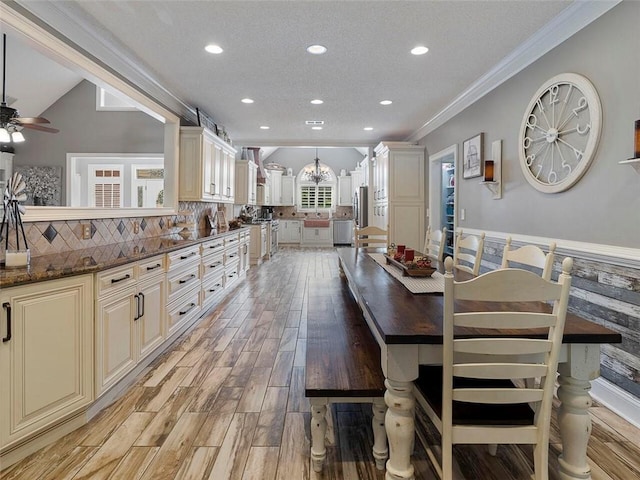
[(399, 192), (246, 182), (289, 231), (183, 287), (245, 240), (275, 186), (264, 194), (207, 167), (130, 318), (46, 357), (345, 192), (288, 191), (258, 244)]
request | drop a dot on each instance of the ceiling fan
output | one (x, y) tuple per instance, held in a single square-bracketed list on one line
[(11, 123)]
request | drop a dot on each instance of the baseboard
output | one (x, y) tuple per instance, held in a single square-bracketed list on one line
[(617, 400)]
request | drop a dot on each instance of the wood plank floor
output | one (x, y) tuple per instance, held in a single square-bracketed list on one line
[(227, 402)]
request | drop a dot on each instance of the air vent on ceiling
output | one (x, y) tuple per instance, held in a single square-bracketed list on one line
[(314, 122)]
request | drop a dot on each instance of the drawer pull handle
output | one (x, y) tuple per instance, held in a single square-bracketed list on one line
[(7, 307), (191, 307), (157, 265), (215, 265), (215, 289), (232, 274), (116, 280), (184, 257), (141, 296), (191, 277), (217, 245), (233, 255)]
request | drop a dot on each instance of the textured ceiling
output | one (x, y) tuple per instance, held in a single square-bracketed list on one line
[(367, 61)]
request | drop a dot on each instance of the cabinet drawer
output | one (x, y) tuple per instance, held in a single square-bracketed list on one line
[(231, 272), (212, 265), (212, 288), (231, 255), (182, 257), (231, 241), (151, 266), (180, 281), (212, 246), (183, 310), (115, 279)]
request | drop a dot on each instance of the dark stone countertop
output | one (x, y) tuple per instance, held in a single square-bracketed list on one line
[(90, 260)]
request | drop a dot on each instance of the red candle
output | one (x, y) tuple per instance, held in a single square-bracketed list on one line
[(401, 248), (408, 254)]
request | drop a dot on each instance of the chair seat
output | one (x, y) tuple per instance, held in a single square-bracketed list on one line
[(429, 383)]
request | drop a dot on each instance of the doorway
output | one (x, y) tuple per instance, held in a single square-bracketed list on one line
[(443, 196)]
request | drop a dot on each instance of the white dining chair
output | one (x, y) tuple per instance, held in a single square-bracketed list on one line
[(468, 250), (530, 255), (477, 403), (370, 237), (434, 243)]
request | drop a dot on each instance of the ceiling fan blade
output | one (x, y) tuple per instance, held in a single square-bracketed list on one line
[(41, 128), (30, 120)]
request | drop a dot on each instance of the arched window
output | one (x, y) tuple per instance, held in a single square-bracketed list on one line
[(316, 197)]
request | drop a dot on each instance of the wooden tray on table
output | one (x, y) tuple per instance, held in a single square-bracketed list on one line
[(410, 272)]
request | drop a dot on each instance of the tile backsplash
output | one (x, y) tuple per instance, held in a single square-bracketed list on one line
[(46, 238)]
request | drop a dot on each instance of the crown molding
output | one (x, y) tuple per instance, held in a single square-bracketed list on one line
[(571, 20)]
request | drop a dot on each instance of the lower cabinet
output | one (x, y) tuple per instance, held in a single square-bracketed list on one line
[(130, 319), (46, 355)]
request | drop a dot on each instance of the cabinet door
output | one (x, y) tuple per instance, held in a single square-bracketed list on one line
[(208, 161), (294, 231), (288, 197), (115, 338), (253, 184), (230, 179), (151, 320), (345, 197), (216, 179), (47, 365)]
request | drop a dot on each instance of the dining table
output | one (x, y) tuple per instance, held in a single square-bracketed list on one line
[(408, 328)]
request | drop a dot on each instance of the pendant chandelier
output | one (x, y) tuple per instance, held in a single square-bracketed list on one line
[(316, 174)]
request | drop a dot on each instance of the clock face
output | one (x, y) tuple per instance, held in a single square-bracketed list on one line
[(560, 132)]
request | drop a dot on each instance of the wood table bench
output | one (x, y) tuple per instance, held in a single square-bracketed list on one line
[(342, 364)]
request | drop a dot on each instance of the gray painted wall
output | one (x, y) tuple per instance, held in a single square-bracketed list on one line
[(335, 158), (85, 130), (604, 206)]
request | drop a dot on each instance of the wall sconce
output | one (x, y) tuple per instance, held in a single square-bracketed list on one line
[(635, 161), (493, 170)]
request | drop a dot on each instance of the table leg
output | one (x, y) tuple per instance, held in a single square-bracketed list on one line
[(318, 432), (400, 427), (575, 427), (380, 448)]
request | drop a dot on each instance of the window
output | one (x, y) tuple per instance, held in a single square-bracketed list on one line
[(316, 196), (105, 186)]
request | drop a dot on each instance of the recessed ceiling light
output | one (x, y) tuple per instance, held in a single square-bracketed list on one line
[(368, 129), (264, 127), (317, 49), (386, 102), (216, 49), (317, 101), (419, 50), (246, 100), (316, 128)]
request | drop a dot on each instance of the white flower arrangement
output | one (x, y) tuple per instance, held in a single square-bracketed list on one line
[(43, 183)]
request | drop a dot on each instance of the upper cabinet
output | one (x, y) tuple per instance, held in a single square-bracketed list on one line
[(246, 182), (207, 167), (288, 191), (345, 191)]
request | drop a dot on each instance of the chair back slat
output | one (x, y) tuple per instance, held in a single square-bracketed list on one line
[(530, 255), (499, 370), (502, 346), (509, 320), (470, 243), (434, 243), (497, 395), (508, 285), (363, 237)]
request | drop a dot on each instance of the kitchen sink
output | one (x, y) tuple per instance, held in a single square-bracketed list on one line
[(317, 223)]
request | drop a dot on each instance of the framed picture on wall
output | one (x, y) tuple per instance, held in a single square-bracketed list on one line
[(472, 157)]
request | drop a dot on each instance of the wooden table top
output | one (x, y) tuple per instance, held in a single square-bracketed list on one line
[(402, 317)]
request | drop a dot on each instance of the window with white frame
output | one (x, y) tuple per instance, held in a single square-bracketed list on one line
[(316, 197), (105, 186)]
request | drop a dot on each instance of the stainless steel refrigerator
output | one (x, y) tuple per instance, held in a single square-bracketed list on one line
[(360, 206)]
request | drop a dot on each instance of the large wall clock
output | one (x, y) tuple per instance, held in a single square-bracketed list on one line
[(560, 132)]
